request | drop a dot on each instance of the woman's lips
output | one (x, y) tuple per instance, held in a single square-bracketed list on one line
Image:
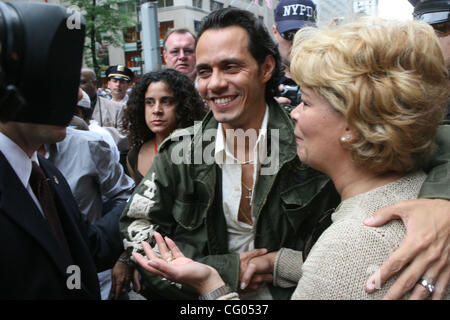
[(158, 122)]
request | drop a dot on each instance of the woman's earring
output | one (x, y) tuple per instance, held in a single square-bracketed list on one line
[(346, 138)]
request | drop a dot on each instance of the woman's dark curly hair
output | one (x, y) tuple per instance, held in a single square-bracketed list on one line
[(189, 105)]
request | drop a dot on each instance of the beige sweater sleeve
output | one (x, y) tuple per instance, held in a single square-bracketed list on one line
[(344, 257), (287, 270)]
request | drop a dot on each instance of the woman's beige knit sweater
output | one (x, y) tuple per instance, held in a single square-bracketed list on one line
[(348, 252)]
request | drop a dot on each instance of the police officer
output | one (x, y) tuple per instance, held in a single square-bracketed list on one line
[(437, 14), (290, 16), (119, 78)]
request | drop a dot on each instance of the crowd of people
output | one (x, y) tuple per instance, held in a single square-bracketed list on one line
[(206, 180)]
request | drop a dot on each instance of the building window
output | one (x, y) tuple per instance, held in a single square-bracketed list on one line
[(197, 3), (216, 5), (130, 35), (196, 25), (164, 28), (128, 6), (165, 3)]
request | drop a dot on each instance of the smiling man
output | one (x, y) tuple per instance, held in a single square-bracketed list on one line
[(219, 213)]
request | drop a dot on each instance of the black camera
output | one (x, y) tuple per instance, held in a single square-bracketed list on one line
[(292, 93), (40, 61)]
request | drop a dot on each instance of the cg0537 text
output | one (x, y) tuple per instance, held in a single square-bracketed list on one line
[(228, 309)]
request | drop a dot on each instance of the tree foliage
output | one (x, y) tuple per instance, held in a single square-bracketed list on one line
[(105, 22)]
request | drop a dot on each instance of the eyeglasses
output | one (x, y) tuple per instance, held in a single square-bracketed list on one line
[(289, 35), (442, 29)]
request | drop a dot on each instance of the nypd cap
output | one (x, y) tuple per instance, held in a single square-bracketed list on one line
[(295, 14)]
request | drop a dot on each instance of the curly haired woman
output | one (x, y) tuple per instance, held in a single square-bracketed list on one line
[(160, 103)]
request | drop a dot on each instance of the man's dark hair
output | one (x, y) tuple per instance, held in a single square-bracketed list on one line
[(260, 42), (189, 105)]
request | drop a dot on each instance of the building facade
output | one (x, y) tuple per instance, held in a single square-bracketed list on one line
[(175, 14)]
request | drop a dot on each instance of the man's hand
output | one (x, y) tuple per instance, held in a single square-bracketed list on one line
[(246, 268), (121, 275), (259, 271), (425, 248), (282, 100)]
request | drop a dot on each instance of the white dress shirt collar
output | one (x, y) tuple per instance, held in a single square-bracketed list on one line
[(17, 158), (223, 155)]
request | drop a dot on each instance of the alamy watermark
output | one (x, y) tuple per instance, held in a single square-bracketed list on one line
[(74, 20), (74, 277), (237, 141)]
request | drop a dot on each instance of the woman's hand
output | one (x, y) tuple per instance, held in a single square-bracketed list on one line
[(173, 265)]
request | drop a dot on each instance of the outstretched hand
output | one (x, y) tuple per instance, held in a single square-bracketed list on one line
[(174, 266)]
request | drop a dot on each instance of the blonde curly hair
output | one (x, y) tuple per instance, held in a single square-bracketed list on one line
[(389, 80)]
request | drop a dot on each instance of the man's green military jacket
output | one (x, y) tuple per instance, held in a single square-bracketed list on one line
[(183, 201)]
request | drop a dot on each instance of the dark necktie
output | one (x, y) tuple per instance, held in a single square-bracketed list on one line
[(41, 188)]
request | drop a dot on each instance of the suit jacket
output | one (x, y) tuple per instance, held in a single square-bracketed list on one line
[(33, 265)]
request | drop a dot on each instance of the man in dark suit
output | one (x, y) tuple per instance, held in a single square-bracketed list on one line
[(48, 249), (33, 265)]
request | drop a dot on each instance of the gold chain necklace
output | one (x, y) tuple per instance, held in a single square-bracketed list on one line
[(246, 217), (250, 193)]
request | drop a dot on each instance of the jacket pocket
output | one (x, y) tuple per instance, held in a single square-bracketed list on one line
[(188, 215), (296, 201)]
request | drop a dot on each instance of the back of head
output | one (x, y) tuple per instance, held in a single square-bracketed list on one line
[(260, 43), (389, 80), (41, 53)]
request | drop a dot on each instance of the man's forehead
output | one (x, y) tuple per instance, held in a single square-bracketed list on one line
[(231, 43), (180, 40)]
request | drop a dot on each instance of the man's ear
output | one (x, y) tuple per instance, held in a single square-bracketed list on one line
[(267, 68), (164, 55), (274, 30)]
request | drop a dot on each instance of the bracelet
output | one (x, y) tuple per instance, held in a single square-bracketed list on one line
[(126, 260), (216, 293)]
